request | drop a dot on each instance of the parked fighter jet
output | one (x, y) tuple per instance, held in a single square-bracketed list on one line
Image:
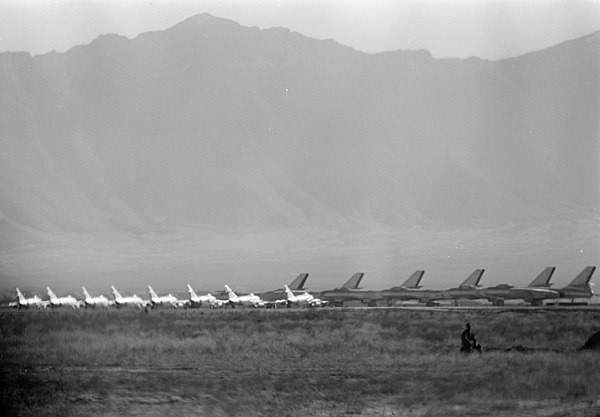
[(100, 301), (535, 293), (351, 292), (278, 297), (67, 301), (243, 300), (207, 300), (469, 288), (410, 291), (168, 300), (132, 301), (273, 298), (580, 287), (24, 302), (302, 299)]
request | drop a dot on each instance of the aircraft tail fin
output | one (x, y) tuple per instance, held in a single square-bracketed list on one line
[(116, 293), (192, 292), (583, 278), (20, 295), (543, 279), (473, 279), (298, 283), (86, 294), (51, 293), (414, 280), (230, 292), (354, 281), (152, 292), (288, 292)]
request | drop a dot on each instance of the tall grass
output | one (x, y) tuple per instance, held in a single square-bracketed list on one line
[(299, 362)]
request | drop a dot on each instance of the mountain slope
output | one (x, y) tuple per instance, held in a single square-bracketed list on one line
[(227, 128)]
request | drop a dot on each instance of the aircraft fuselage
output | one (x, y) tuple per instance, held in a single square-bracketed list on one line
[(341, 295), (407, 294), (528, 294)]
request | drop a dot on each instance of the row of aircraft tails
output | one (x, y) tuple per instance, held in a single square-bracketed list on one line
[(295, 294)]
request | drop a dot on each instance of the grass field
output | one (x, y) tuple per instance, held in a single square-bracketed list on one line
[(299, 362)]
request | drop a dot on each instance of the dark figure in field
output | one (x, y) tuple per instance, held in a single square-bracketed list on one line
[(465, 339), (468, 342), (593, 342)]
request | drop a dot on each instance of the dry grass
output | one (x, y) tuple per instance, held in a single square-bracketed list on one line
[(321, 362)]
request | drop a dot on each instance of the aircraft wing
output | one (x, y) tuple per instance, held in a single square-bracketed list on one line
[(531, 294)]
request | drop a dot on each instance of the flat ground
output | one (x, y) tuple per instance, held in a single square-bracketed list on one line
[(320, 362)]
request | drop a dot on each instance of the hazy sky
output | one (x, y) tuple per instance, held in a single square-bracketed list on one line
[(489, 29)]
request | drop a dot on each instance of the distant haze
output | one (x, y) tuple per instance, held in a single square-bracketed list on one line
[(215, 153)]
